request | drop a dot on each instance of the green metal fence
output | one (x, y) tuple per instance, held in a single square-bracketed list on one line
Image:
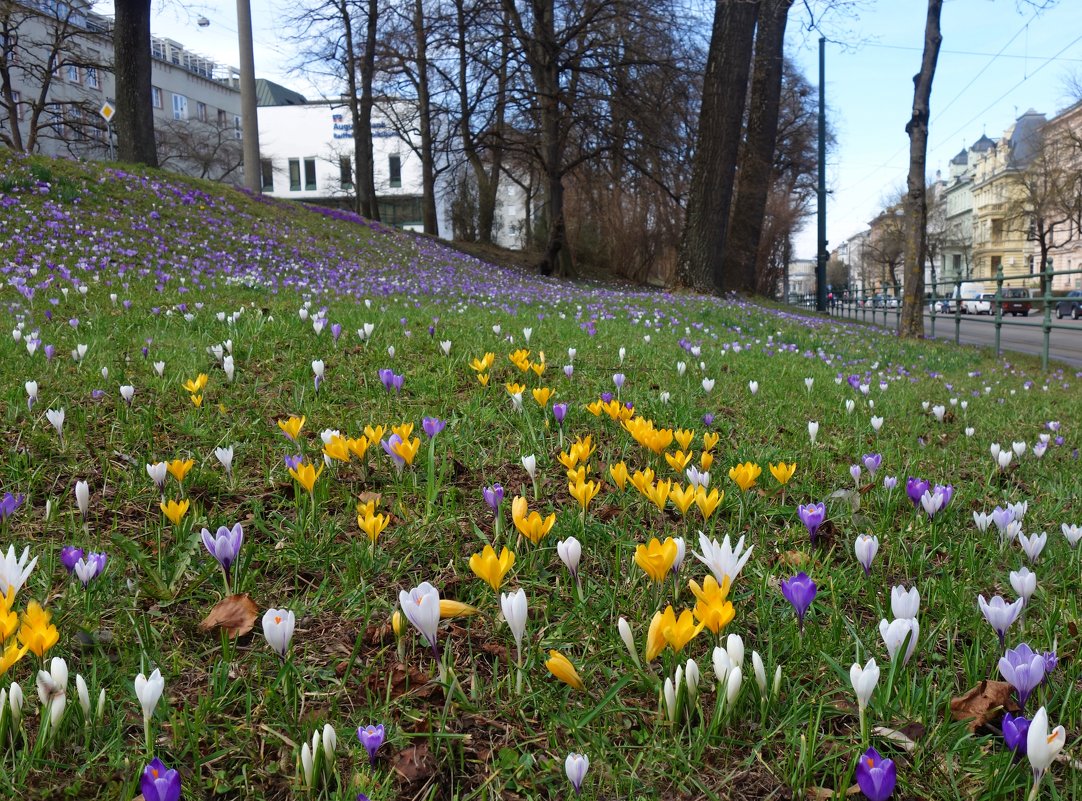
[(945, 302)]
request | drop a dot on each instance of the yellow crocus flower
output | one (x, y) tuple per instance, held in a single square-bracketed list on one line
[(374, 433), (9, 620), (542, 395), (359, 446), (707, 503), (659, 494), (595, 408), (683, 438), (560, 667), (407, 448), (682, 497), (783, 472), (337, 449), (655, 639), (10, 655), (306, 474), (656, 558), (37, 633), (745, 475), (481, 365), (514, 388), (643, 480), (619, 475), (397, 624), (178, 468), (679, 631), (197, 401), (578, 475), (196, 386), (538, 367), (706, 460), (491, 568), (714, 610), (531, 526), (373, 524), (483, 378), (292, 427), (366, 509), (584, 492), (174, 510), (449, 608), (568, 459), (678, 461), (404, 430), (710, 439)]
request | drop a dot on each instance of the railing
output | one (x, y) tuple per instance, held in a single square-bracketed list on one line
[(950, 304)]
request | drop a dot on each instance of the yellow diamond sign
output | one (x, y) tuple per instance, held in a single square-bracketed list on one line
[(107, 111)]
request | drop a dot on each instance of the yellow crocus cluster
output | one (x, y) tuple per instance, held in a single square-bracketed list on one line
[(520, 358), (480, 368), (645, 433), (614, 409), (579, 451), (713, 610), (370, 522), (656, 558), (530, 524), (9, 623), (491, 568), (745, 475), (194, 388)]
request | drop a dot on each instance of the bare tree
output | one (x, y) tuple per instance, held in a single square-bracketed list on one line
[(203, 149), (725, 90), (885, 248)]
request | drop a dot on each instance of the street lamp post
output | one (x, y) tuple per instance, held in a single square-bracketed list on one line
[(249, 116)]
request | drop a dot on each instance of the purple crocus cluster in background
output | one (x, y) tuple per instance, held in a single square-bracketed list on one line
[(391, 380)]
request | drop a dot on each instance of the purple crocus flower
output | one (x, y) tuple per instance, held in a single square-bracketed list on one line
[(158, 783), (493, 496), (388, 448), (386, 375), (224, 545), (876, 776), (618, 379), (97, 394), (915, 488), (69, 555), (371, 738), (1050, 662), (292, 462), (606, 397), (890, 482), (708, 419), (8, 504), (1002, 518), (559, 411), (1015, 730), (336, 330), (1022, 669), (396, 382), (812, 515), (871, 462), (50, 352), (800, 591), (1000, 614), (432, 425)]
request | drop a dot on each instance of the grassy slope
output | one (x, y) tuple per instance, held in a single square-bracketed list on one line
[(160, 242)]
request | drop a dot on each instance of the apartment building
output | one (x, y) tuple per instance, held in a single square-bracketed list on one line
[(56, 73)]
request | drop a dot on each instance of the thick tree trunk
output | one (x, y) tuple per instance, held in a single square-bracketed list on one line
[(424, 109), (134, 120), (366, 170), (757, 155), (911, 323), (725, 89)]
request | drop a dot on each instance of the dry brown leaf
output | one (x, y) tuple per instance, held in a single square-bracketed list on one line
[(902, 738), (793, 558), (826, 794), (365, 497), (415, 763), (235, 613), (984, 703)]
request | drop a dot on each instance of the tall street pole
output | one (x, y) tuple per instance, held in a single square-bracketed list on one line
[(821, 246), (249, 116)]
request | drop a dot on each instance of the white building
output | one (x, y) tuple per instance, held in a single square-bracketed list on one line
[(58, 59), (307, 154)]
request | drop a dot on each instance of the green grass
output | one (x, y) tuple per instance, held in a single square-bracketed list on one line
[(232, 721)]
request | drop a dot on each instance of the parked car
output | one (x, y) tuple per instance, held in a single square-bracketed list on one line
[(1070, 305), (979, 304), (1016, 301)]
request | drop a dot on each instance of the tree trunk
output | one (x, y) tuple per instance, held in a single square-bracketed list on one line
[(354, 102), (424, 109), (362, 133), (911, 323), (725, 89), (757, 156), (134, 120)]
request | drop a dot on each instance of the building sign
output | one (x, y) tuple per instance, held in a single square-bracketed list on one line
[(342, 128)]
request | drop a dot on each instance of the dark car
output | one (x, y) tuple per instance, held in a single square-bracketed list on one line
[(1070, 305), (1016, 301)]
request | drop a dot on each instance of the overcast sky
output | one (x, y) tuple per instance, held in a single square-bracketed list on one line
[(998, 58)]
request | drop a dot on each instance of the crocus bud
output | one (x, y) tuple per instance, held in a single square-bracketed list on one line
[(84, 696), (100, 712), (669, 691), (307, 764), (148, 691), (15, 703), (629, 640), (529, 463), (396, 623), (777, 682), (691, 676), (734, 647), (732, 689), (760, 672), (330, 742), (813, 430), (82, 497)]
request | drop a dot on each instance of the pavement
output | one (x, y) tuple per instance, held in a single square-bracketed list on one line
[(1020, 334)]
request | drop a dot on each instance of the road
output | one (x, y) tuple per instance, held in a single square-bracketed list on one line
[(1021, 334)]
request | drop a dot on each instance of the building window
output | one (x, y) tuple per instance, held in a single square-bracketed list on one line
[(180, 107), (156, 97), (73, 73), (92, 78), (236, 127), (394, 167), (266, 171), (222, 118), (16, 98), (9, 44), (309, 174), (294, 175), (345, 170), (201, 112)]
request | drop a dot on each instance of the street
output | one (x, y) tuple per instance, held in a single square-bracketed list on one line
[(1022, 334)]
